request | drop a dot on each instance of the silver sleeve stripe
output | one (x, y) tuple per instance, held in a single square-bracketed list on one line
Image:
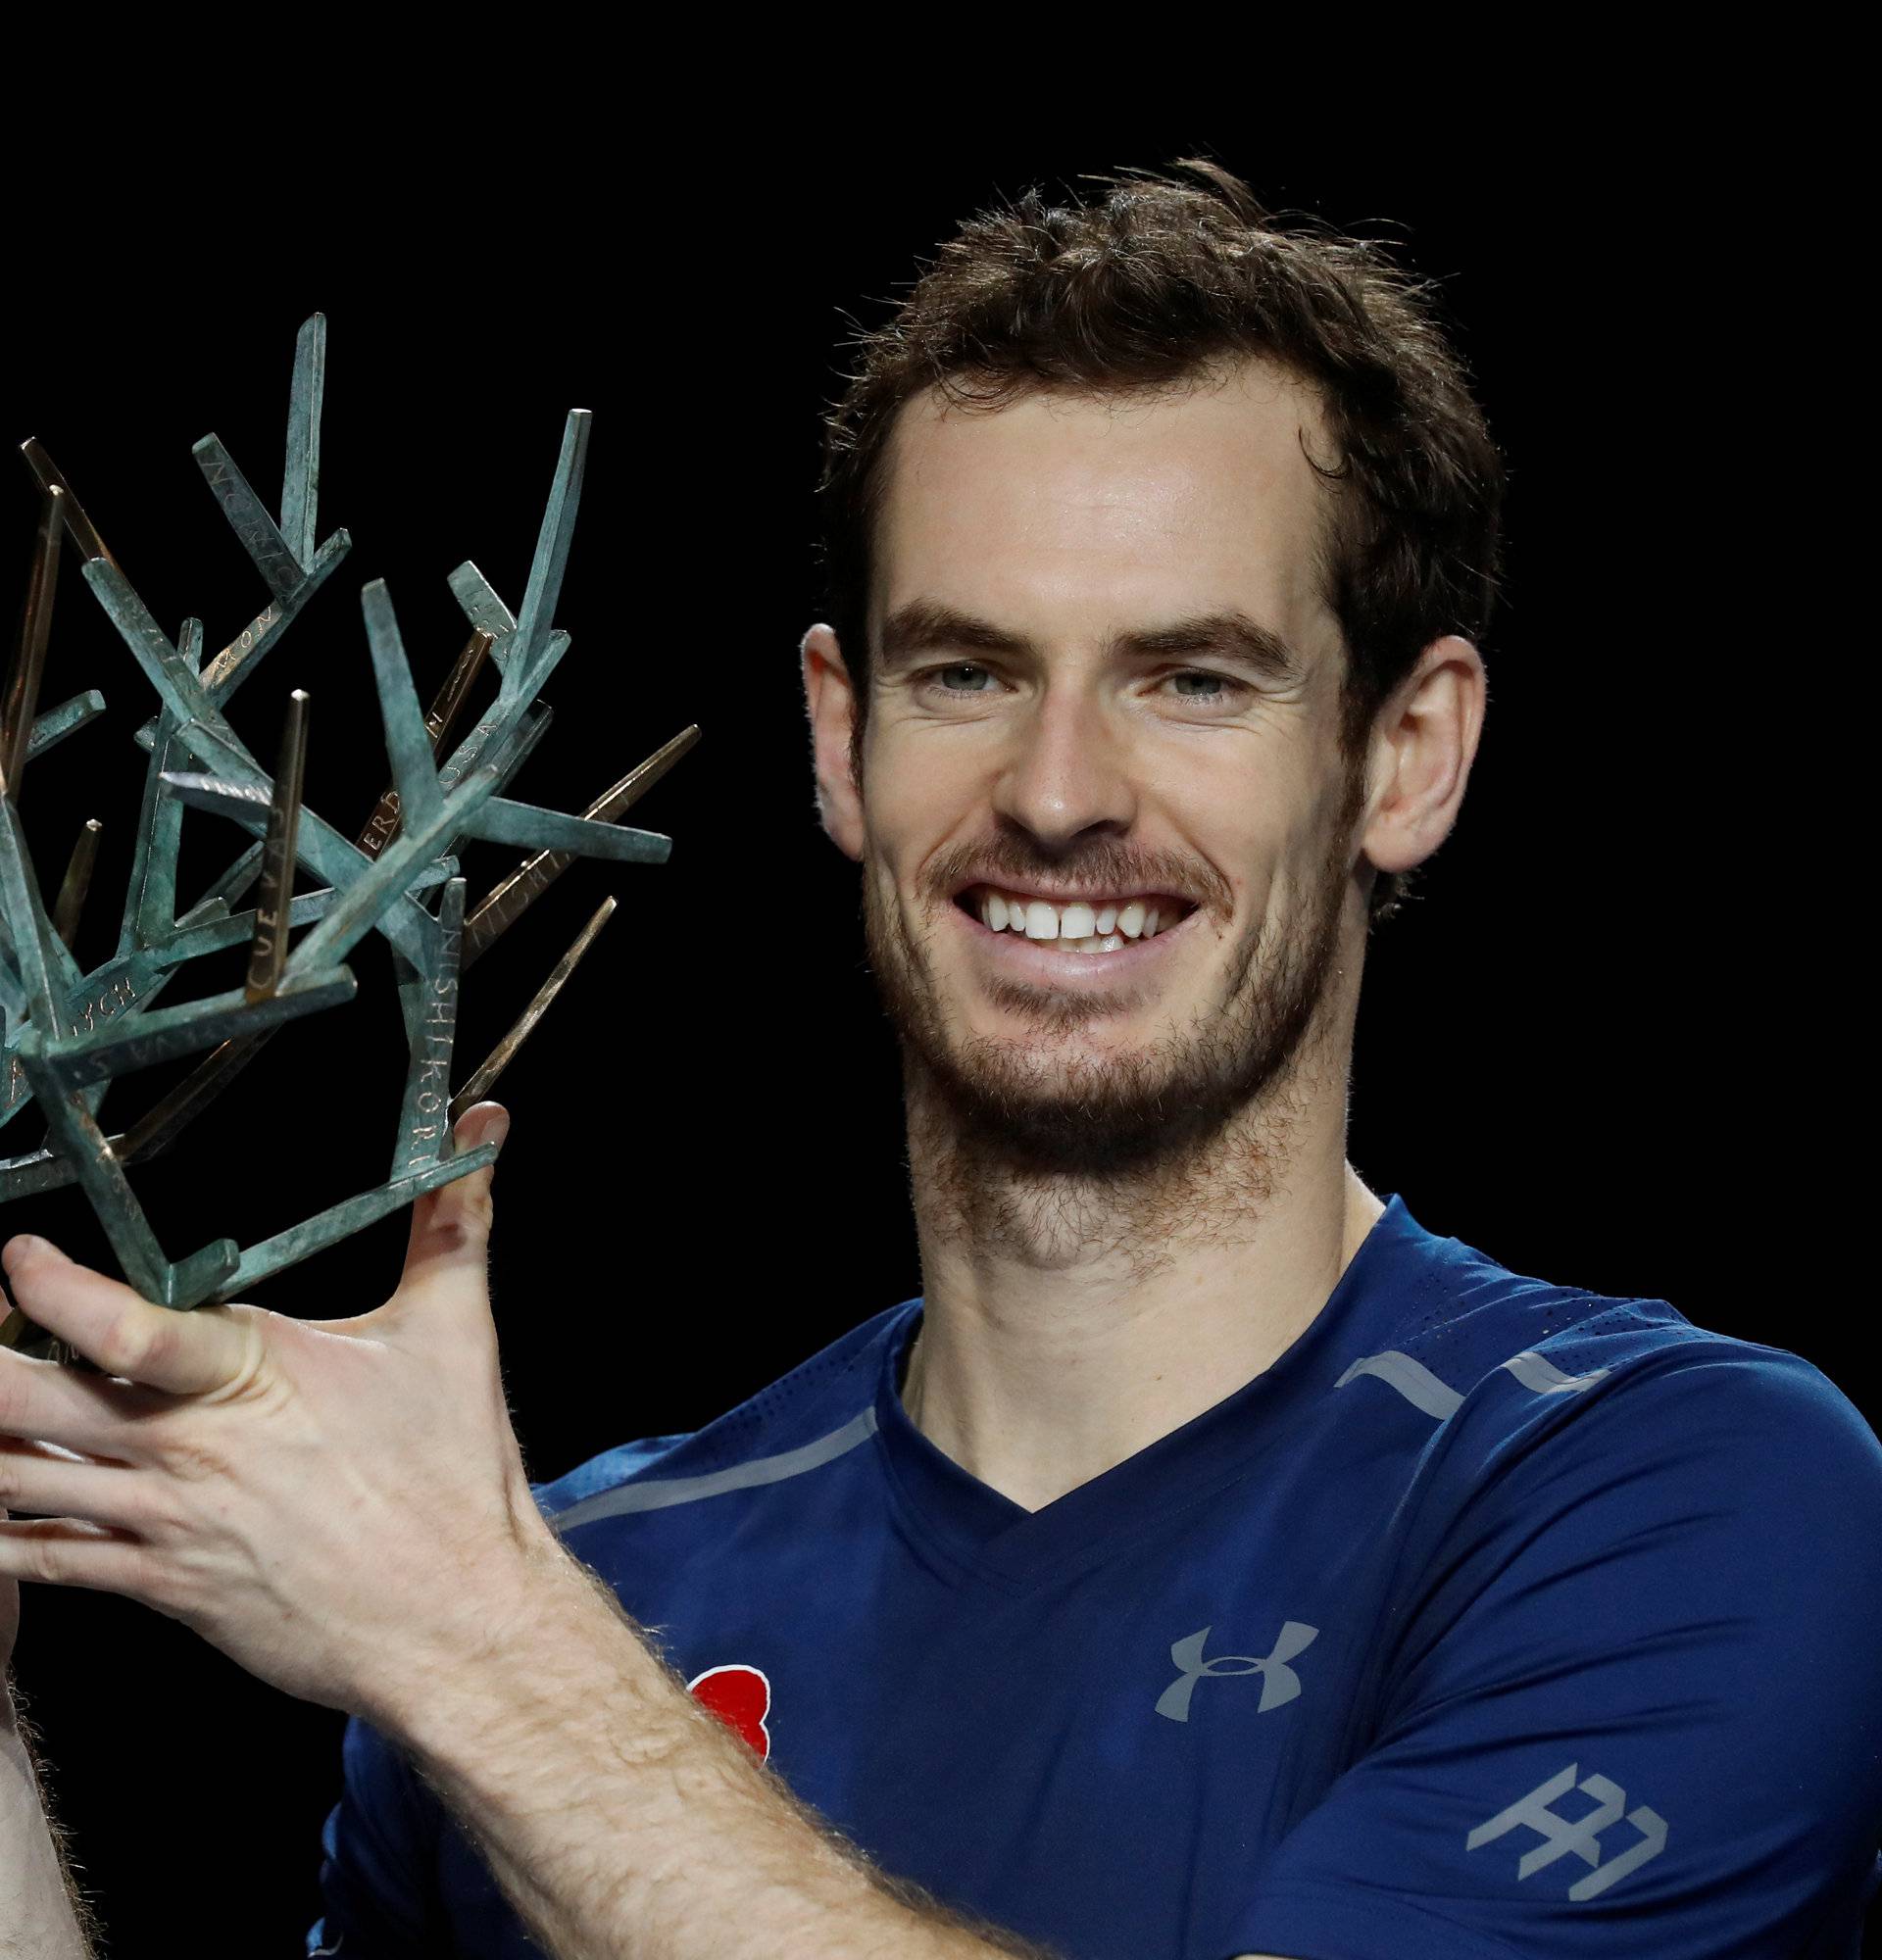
[(1423, 1390), (655, 1494), (1534, 1372), (1413, 1380)]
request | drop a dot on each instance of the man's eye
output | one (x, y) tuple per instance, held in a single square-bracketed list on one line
[(965, 678), (1198, 686)]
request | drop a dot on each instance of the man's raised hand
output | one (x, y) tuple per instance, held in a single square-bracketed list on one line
[(339, 1504)]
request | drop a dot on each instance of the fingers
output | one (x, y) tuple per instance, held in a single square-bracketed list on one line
[(43, 1402), (450, 1235), (44, 1482), (184, 1353), (66, 1551)]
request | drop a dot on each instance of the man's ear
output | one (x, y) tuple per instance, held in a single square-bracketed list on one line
[(1423, 743), (831, 696)]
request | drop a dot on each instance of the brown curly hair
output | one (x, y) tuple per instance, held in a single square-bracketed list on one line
[(1169, 276)]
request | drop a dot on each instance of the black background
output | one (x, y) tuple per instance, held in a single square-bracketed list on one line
[(1601, 1045)]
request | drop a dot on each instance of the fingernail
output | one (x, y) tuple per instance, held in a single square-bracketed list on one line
[(497, 1129)]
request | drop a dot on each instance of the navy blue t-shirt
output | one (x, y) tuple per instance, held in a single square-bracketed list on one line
[(1496, 1620)]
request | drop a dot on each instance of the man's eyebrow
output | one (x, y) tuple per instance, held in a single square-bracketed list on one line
[(1231, 636), (926, 626)]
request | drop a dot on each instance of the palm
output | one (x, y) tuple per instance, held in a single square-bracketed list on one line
[(256, 1476)]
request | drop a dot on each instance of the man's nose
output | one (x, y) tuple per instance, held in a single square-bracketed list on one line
[(1068, 770)]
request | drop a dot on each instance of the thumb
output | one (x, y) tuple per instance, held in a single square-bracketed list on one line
[(450, 1235)]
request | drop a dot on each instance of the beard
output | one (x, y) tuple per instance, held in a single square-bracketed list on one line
[(1004, 1110)]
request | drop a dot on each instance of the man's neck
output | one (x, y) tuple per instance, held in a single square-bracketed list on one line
[(1066, 1330)]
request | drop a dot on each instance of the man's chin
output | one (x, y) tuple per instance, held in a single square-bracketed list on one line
[(1075, 1059), (1066, 1109), (1059, 1022)]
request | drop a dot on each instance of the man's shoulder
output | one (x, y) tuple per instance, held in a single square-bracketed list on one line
[(822, 1408), (1511, 1365), (1473, 1324), (1684, 1393)]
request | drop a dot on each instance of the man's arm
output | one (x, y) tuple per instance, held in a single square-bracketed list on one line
[(41, 1914), (621, 1817), (38, 1915)]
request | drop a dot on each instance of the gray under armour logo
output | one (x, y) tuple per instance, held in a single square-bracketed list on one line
[(1579, 1836), (1279, 1682)]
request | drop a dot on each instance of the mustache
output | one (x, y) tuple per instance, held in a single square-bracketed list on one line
[(1102, 867)]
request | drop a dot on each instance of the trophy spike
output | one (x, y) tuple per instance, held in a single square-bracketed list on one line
[(248, 516), (285, 554), (510, 898), (300, 485), (498, 1059), (160, 1125), (447, 705), (428, 998), (486, 611), (407, 741), (268, 951), (30, 652), (78, 527), (71, 903), (552, 550)]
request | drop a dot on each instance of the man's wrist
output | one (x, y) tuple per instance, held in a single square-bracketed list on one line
[(526, 1625)]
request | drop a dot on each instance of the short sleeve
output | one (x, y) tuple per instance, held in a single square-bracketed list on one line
[(380, 1845), (1632, 1701)]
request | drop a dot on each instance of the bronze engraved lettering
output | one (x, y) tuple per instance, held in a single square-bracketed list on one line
[(275, 562), (231, 655), (474, 742)]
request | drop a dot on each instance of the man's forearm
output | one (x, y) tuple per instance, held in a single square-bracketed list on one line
[(37, 1913), (620, 1817)]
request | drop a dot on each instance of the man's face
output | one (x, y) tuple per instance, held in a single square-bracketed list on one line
[(1107, 831)]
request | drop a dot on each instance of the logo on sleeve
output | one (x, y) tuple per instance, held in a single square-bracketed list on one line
[(1279, 1683), (1560, 1836), (742, 1697)]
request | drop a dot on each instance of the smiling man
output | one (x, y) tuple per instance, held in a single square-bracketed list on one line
[(1212, 1561)]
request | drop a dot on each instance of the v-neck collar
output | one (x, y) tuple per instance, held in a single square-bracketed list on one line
[(973, 1527)]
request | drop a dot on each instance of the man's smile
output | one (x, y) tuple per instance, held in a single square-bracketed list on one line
[(1084, 942), (1084, 923)]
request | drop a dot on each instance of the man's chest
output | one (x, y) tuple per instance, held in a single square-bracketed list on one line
[(1092, 1744), (1100, 1759)]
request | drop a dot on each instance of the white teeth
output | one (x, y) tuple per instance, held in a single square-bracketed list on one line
[(1077, 927)]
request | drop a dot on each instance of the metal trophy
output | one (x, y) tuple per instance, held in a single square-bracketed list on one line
[(70, 1034)]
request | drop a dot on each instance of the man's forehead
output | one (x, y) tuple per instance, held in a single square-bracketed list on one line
[(1144, 503)]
